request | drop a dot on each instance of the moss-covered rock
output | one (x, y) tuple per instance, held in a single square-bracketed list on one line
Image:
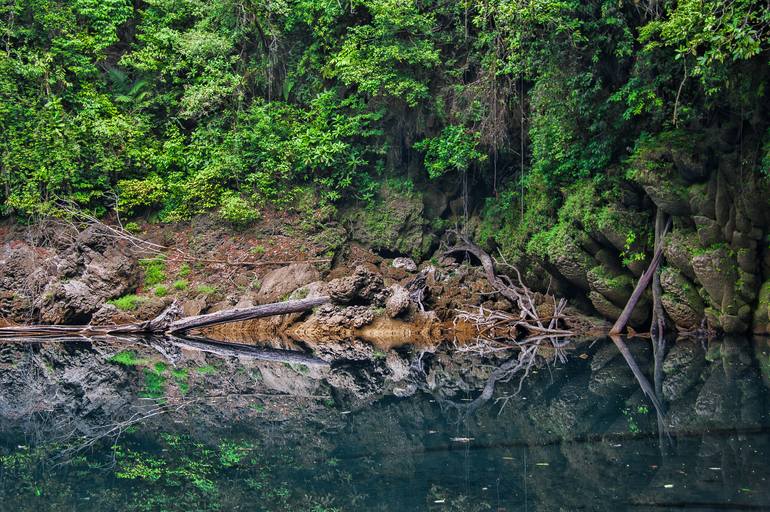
[(573, 263), (394, 223), (681, 299), (679, 249), (664, 166), (709, 231), (609, 310), (616, 287), (715, 270), (761, 322)]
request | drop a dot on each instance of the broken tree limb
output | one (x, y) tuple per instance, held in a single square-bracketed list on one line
[(238, 315), (642, 285)]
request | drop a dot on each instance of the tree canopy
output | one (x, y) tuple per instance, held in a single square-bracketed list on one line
[(181, 106)]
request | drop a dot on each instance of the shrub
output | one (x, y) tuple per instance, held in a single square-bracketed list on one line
[(236, 210), (138, 195), (125, 358), (257, 250), (132, 227)]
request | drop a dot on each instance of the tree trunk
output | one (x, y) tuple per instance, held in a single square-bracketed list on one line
[(642, 285)]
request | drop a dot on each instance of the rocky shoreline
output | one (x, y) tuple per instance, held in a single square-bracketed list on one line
[(714, 277)]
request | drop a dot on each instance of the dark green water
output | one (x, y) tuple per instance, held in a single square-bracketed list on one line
[(138, 425)]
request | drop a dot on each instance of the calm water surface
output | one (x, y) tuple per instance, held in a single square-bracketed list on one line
[(149, 425)]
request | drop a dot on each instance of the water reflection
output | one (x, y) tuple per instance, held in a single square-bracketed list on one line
[(158, 424)]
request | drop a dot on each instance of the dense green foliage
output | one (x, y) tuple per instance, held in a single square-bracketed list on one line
[(181, 106)]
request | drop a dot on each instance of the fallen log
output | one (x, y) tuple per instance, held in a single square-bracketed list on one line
[(238, 315), (165, 323)]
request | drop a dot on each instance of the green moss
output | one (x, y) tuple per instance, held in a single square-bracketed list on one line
[(300, 293), (181, 376), (184, 270), (160, 290), (180, 284), (127, 302)]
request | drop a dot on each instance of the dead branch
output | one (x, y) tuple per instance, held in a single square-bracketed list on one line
[(642, 285)]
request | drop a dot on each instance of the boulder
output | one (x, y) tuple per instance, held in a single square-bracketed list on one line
[(407, 264), (104, 276), (108, 314), (709, 231), (574, 264), (681, 299), (716, 272), (398, 302), (281, 282), (364, 286), (679, 249), (616, 287), (609, 310)]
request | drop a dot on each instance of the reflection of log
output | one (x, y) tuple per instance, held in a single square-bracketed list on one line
[(225, 349), (642, 285), (164, 323)]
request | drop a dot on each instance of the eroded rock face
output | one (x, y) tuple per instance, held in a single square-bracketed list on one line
[(394, 223), (67, 284)]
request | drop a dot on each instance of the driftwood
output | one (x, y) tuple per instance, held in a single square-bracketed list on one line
[(642, 285), (165, 323)]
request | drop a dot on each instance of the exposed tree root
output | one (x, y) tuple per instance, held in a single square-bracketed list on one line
[(494, 325)]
